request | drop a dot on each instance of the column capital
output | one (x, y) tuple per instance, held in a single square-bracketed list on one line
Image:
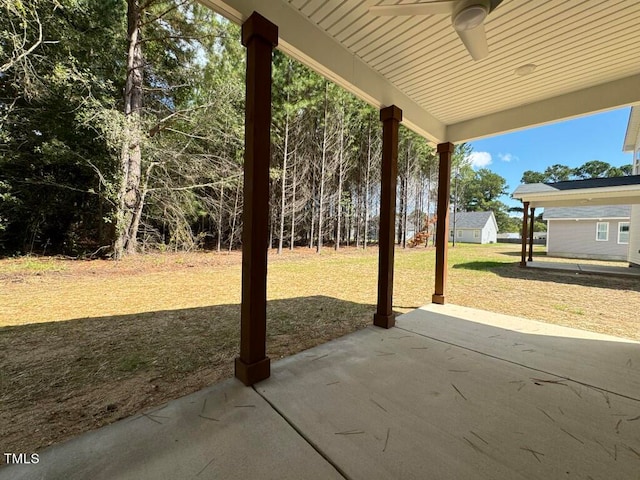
[(445, 147), (390, 113), (258, 26)]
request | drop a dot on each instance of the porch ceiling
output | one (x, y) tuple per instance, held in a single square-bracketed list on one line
[(587, 55)]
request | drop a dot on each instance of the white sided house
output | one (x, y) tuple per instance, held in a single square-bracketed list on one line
[(593, 218), (589, 218), (632, 144), (594, 232), (473, 227)]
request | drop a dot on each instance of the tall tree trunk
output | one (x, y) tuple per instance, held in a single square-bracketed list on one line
[(313, 208), (323, 166), (358, 214), (348, 223), (235, 217), (417, 216), (220, 217), (405, 213), (367, 187), (293, 201), (129, 196), (426, 244), (271, 224), (340, 175), (285, 157), (400, 224)]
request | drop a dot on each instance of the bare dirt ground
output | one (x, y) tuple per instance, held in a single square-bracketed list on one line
[(84, 343)]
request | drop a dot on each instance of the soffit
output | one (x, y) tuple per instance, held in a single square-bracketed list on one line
[(632, 138), (587, 53)]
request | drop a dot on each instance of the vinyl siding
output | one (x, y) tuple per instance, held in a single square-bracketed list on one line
[(467, 236), (634, 235), (577, 239), (634, 230), (488, 234)]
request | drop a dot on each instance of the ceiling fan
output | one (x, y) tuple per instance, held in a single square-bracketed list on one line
[(467, 18)]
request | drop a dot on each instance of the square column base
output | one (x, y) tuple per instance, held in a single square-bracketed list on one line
[(439, 299), (254, 372), (384, 321)]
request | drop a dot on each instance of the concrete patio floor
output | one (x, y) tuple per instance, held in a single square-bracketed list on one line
[(450, 393), (586, 268)]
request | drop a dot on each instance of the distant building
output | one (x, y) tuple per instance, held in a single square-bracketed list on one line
[(509, 236), (632, 145), (598, 232), (594, 217), (473, 227)]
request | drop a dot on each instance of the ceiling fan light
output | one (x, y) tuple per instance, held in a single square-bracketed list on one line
[(469, 18)]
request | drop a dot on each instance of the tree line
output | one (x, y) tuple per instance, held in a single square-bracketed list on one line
[(121, 130), (563, 173)]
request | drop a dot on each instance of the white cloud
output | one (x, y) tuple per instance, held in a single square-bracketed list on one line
[(479, 159), (507, 157)]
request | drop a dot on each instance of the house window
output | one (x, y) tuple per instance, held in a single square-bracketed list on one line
[(476, 234), (459, 233), (623, 232), (602, 231)]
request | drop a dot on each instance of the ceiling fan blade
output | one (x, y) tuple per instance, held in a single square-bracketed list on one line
[(476, 42), (493, 4), (439, 7)]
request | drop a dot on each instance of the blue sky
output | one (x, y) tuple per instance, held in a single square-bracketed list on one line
[(572, 143)]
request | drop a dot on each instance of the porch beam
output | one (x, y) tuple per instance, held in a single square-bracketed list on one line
[(531, 225), (445, 151), (525, 222), (391, 118), (259, 36)]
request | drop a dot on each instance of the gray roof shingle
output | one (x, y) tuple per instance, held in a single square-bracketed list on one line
[(529, 188), (470, 219)]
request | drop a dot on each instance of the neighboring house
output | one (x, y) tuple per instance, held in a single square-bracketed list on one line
[(589, 218), (595, 232), (632, 144), (509, 236), (473, 227), (539, 238)]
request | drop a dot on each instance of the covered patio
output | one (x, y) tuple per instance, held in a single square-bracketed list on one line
[(449, 392), (585, 269), (541, 63)]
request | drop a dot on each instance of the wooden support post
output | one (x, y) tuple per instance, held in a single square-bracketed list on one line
[(259, 36), (531, 225), (525, 222), (445, 150), (391, 118)]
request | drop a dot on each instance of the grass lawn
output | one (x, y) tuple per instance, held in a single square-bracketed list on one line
[(84, 343)]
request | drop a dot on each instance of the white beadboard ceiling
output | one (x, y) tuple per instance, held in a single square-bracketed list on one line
[(587, 54)]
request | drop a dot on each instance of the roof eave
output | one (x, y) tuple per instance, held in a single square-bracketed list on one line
[(633, 130)]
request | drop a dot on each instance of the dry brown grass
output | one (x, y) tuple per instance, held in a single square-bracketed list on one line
[(85, 343)]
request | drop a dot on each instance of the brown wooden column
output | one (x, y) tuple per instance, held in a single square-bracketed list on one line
[(531, 225), (391, 118), (259, 36), (445, 150), (525, 222)]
